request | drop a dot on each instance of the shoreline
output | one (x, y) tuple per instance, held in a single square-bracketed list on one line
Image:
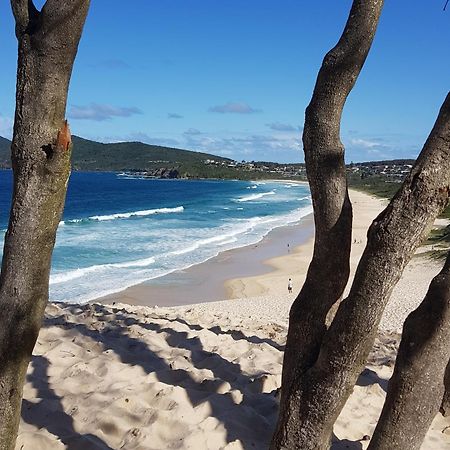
[(252, 274), (250, 271), (205, 375), (208, 281)]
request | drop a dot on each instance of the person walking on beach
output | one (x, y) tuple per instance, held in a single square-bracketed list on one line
[(290, 286)]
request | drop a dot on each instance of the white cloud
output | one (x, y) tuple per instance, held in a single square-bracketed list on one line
[(192, 132), (253, 147), (6, 126), (100, 113), (366, 143), (234, 108), (277, 126), (139, 136)]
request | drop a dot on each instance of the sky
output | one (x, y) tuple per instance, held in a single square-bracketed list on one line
[(233, 77)]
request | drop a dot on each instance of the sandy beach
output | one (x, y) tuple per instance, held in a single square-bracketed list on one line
[(205, 375)]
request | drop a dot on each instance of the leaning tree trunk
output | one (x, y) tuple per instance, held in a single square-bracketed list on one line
[(41, 146), (324, 155), (417, 384), (319, 394), (321, 366)]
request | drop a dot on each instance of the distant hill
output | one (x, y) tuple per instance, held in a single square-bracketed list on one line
[(4, 152), (132, 156), (91, 155), (163, 162)]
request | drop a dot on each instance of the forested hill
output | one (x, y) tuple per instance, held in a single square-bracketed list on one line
[(128, 156), (4, 153), (91, 155)]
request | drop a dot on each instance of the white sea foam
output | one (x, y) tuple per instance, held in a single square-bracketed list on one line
[(174, 243), (70, 275), (105, 279), (252, 197), (77, 273), (64, 222), (137, 263), (201, 243), (227, 234), (126, 215), (147, 212)]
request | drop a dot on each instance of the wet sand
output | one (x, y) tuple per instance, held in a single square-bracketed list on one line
[(207, 281)]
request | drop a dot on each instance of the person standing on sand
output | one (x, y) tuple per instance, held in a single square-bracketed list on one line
[(290, 286)]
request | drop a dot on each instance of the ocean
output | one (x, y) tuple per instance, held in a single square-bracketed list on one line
[(118, 231)]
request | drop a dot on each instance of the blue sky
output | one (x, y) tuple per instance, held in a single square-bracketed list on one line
[(233, 77)]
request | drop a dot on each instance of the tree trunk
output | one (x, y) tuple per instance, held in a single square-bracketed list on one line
[(445, 405), (41, 147), (417, 384), (316, 396), (324, 155), (319, 394)]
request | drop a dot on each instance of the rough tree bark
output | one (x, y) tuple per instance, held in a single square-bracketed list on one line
[(41, 146), (318, 377), (445, 406), (319, 394), (324, 155), (417, 384)]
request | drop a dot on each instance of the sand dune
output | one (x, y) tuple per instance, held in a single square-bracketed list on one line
[(126, 377)]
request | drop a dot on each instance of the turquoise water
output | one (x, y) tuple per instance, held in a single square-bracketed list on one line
[(118, 231)]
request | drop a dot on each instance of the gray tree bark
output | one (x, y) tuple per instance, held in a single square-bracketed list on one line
[(324, 156), (41, 147), (417, 384), (321, 366), (445, 406), (318, 395)]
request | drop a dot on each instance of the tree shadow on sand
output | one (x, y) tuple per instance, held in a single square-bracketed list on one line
[(49, 412), (254, 410), (369, 377), (223, 407), (237, 335), (345, 444)]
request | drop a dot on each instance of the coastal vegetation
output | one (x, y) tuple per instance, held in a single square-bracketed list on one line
[(380, 185), (156, 161)]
